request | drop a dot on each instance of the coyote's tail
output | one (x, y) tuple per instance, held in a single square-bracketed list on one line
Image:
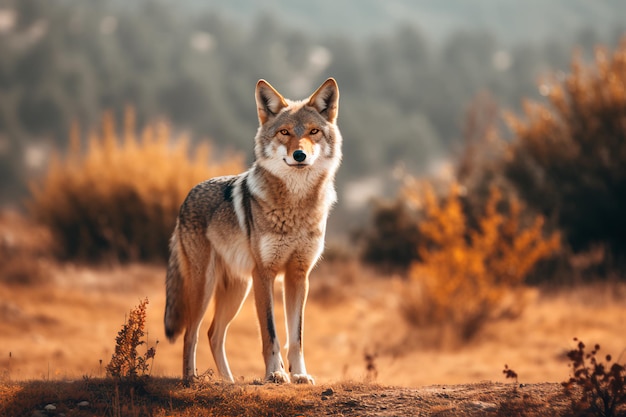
[(174, 289)]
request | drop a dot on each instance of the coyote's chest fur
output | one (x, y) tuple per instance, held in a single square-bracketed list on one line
[(275, 223), (286, 221), (290, 234), (291, 215)]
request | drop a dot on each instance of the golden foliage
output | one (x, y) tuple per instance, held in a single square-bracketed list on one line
[(465, 274), (119, 199)]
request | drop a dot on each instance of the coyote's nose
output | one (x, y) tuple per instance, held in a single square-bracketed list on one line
[(299, 155)]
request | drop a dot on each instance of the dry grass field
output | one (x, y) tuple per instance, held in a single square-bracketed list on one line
[(166, 397), (59, 323), (62, 329)]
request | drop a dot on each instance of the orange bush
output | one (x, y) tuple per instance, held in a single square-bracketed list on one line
[(119, 199), (466, 274)]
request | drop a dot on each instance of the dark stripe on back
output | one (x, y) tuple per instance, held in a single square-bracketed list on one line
[(228, 192), (246, 202)]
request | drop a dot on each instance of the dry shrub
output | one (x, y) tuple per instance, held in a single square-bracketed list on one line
[(568, 159), (602, 385), (467, 276), (119, 199), (25, 250), (126, 362), (22, 270), (390, 240), (333, 281)]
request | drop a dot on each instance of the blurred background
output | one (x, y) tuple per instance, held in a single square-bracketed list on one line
[(484, 149), (408, 71)]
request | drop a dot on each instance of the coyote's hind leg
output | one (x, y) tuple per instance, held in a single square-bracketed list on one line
[(229, 297)]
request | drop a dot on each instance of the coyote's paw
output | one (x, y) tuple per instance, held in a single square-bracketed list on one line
[(278, 377), (191, 380), (302, 379)]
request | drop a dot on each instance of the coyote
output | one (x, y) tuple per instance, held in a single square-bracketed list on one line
[(239, 231)]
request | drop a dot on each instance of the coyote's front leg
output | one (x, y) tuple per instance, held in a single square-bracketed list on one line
[(263, 282), (296, 288)]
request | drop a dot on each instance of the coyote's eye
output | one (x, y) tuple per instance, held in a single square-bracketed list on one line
[(284, 132), (314, 131)]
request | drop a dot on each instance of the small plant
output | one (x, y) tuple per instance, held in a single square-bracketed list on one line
[(510, 374), (5, 374), (126, 361), (370, 366), (602, 384)]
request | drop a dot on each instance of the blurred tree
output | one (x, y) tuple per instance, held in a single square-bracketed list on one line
[(569, 156), (391, 240)]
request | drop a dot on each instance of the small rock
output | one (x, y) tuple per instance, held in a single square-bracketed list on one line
[(480, 405), (328, 392), (50, 407), (83, 404)]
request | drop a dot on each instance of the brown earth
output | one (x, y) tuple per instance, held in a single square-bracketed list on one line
[(167, 397)]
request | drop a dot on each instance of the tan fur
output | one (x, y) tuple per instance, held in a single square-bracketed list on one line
[(238, 232)]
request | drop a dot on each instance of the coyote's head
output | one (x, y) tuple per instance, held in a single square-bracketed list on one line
[(298, 137)]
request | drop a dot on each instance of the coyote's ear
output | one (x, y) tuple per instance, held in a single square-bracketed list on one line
[(326, 100), (268, 101)]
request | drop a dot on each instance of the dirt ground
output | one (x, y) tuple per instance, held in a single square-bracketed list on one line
[(160, 397)]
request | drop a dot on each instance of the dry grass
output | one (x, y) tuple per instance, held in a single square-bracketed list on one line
[(152, 397), (61, 330), (367, 321), (118, 199), (24, 250)]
